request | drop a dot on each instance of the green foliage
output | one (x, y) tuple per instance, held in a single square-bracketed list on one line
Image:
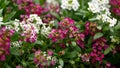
[(98, 35)]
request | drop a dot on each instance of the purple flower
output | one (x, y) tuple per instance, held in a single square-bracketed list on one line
[(5, 42), (50, 52)]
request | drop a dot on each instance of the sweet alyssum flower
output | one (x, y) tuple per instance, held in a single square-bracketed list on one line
[(70, 4), (67, 29), (5, 35), (115, 7), (102, 9), (33, 26), (44, 59), (29, 7)]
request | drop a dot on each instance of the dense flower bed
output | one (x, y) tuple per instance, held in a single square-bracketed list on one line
[(59, 33)]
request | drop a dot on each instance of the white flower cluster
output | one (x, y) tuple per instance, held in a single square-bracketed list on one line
[(16, 44), (15, 25), (35, 21), (102, 9), (70, 4), (54, 2)]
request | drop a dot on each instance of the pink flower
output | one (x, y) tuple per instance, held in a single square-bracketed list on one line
[(50, 52), (19, 66), (5, 42)]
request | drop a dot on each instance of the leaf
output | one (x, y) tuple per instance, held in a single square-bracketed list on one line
[(109, 49), (38, 42), (31, 56), (74, 43), (3, 3), (98, 35), (14, 51), (15, 37), (61, 62), (1, 10), (56, 15), (9, 16), (56, 23), (117, 26)]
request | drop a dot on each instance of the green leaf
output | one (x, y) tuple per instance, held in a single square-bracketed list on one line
[(74, 43), (14, 51), (56, 15), (1, 10), (9, 16), (31, 56), (15, 37), (108, 49), (56, 23), (61, 62), (98, 35), (117, 26), (4, 3)]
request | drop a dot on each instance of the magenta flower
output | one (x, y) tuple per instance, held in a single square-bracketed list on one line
[(66, 23), (90, 28), (5, 42), (42, 59), (115, 4)]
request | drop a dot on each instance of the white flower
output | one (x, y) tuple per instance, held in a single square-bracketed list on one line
[(54, 2), (113, 22), (14, 25), (94, 6), (70, 4), (49, 57), (16, 44), (45, 30), (102, 9)]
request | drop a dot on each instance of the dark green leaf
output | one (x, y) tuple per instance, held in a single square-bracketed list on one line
[(9, 16)]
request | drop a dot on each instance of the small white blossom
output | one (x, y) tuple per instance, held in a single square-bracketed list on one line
[(16, 44), (49, 57), (70, 4), (45, 30), (102, 9), (54, 2)]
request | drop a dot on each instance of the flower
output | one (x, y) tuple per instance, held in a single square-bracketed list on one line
[(115, 7), (5, 36), (42, 59), (85, 57), (70, 4), (102, 9)]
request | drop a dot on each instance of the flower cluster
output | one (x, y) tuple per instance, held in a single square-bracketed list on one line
[(29, 7), (44, 59), (32, 26), (5, 42), (70, 4), (85, 57), (115, 7), (101, 8), (67, 29), (98, 46)]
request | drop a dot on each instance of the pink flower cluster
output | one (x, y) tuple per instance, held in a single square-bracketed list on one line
[(90, 28), (43, 59), (29, 34), (67, 30), (98, 45), (5, 42), (115, 4), (29, 7)]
